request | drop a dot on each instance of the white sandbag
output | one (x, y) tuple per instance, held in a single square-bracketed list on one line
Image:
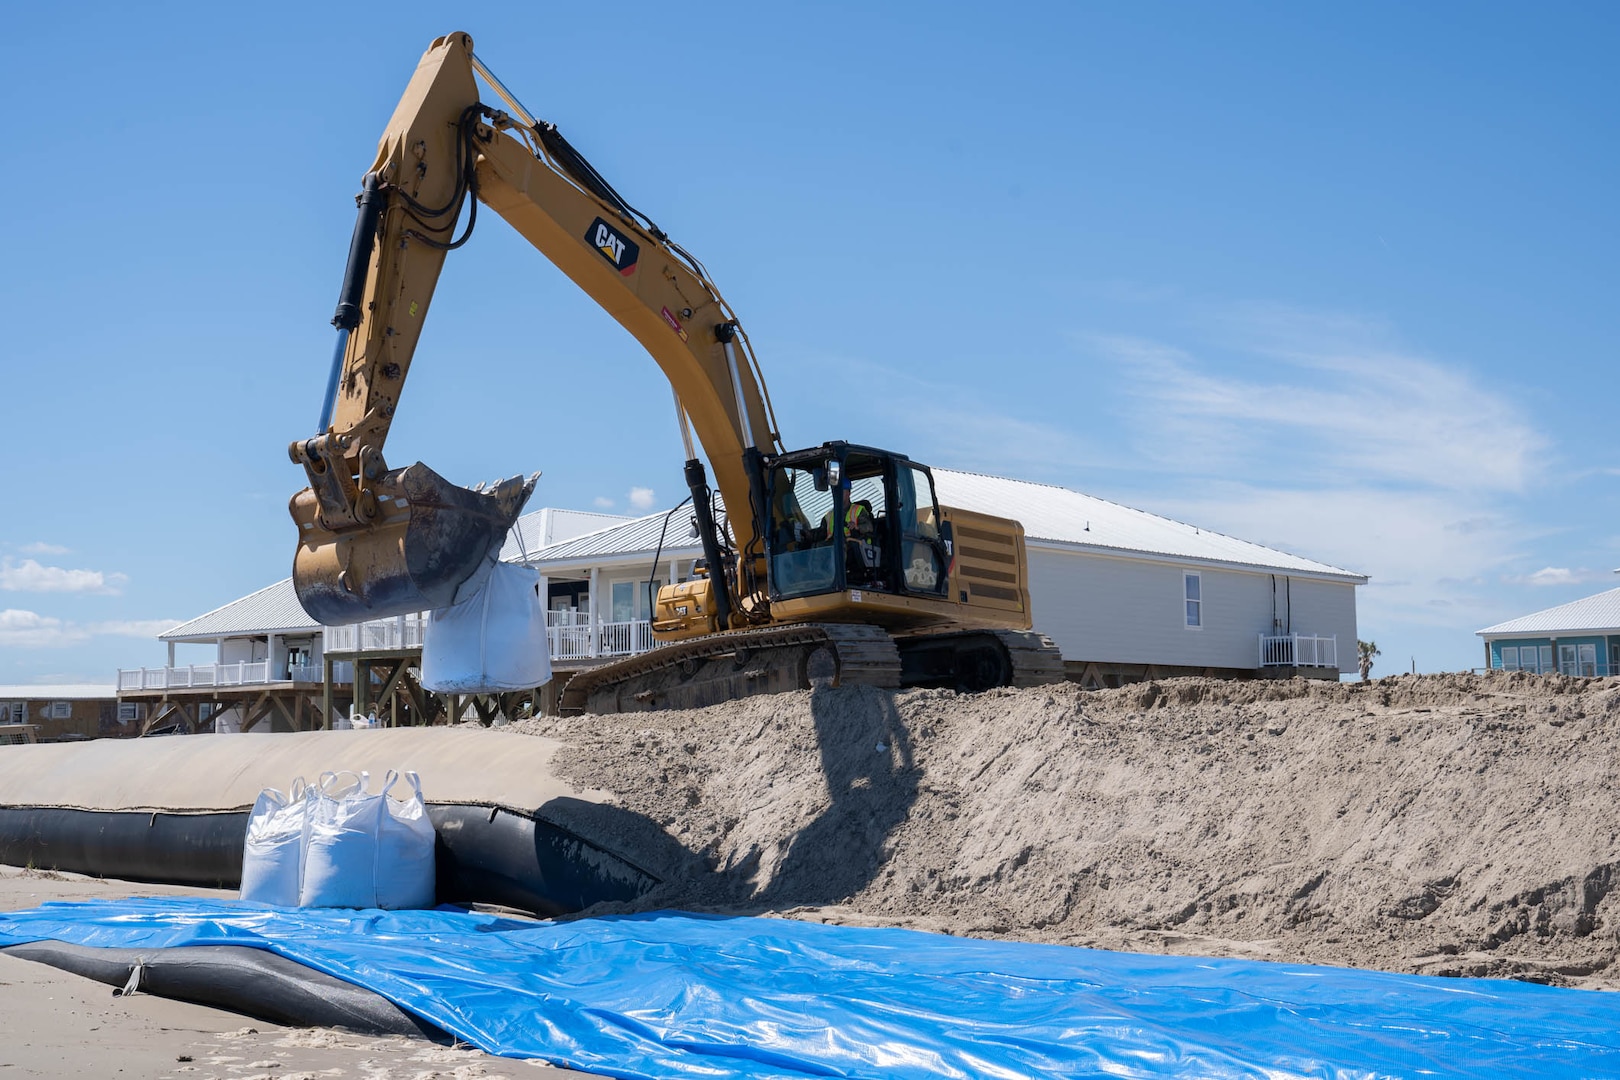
[(273, 856), (341, 828), (405, 870), (494, 640)]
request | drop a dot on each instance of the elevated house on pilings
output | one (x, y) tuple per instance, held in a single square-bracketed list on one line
[(266, 672), (272, 668)]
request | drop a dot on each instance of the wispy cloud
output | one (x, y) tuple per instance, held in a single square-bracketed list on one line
[(642, 498), (29, 575), (1326, 402), (602, 502), (30, 630), (1560, 575), (136, 628), (42, 548)]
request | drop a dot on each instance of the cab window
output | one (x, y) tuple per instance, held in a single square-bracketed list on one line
[(803, 537), (922, 556)]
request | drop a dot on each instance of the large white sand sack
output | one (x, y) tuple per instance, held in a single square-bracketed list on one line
[(363, 850), (341, 827), (404, 868), (492, 641), (273, 856)]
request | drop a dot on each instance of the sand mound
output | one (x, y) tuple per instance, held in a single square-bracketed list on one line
[(1443, 824)]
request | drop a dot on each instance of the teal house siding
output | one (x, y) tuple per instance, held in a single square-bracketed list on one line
[(1580, 638)]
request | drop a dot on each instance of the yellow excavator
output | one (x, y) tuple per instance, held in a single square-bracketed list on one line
[(833, 564)]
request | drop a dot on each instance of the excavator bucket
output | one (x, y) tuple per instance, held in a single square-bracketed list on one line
[(427, 539)]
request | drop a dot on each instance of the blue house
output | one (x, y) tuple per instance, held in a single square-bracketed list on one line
[(1581, 637)]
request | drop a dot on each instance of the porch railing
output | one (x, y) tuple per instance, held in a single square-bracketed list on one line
[(1298, 650), (400, 632), (570, 636), (241, 673)]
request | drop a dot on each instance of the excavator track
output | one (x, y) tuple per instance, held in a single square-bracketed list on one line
[(724, 667), (742, 663), (975, 660)]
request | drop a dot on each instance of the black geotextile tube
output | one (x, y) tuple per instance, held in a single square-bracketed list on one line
[(136, 845), (252, 982), (484, 855)]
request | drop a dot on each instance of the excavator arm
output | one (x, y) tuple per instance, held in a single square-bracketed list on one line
[(375, 541)]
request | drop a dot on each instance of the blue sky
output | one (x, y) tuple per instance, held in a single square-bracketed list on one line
[(1337, 279)]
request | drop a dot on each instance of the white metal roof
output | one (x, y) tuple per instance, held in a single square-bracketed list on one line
[(552, 525), (1075, 521), (1600, 613), (274, 609), (638, 536), (57, 691), (1052, 516)]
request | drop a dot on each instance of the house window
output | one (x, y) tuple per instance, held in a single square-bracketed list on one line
[(1510, 658), (60, 710), (129, 711), (13, 712), (1546, 658), (1566, 659), (1193, 591), (629, 600)]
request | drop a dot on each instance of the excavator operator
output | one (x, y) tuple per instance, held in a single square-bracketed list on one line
[(862, 553)]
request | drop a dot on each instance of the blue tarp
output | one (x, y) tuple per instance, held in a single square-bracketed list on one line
[(680, 995)]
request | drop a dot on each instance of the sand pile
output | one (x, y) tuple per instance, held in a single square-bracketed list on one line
[(1442, 824)]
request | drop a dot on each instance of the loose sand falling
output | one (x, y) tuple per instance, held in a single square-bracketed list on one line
[(1455, 825)]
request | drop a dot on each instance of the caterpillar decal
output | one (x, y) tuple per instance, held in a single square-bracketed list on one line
[(615, 247)]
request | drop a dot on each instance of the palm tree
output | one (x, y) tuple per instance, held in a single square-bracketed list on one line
[(1365, 651)]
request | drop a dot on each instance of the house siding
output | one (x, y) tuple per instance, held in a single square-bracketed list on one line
[(89, 718), (1603, 651), (1118, 610)]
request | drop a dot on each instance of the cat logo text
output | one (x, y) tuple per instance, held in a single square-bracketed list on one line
[(614, 246)]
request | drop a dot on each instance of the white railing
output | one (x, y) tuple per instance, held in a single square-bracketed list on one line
[(569, 633), (241, 673), (400, 632), (1298, 650), (626, 638)]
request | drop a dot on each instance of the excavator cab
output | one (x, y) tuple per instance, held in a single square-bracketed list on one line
[(847, 517)]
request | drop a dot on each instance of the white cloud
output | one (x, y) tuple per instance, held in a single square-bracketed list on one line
[(140, 628), (30, 630), (641, 498), (30, 576), (42, 548), (1559, 575), (1334, 408), (602, 502)]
